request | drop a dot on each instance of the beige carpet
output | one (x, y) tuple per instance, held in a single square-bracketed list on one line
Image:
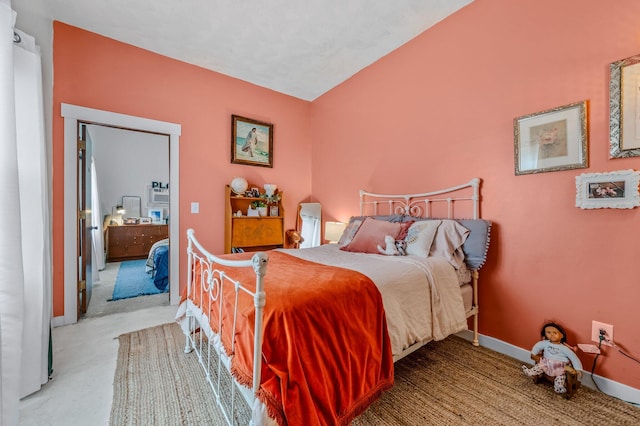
[(444, 383)]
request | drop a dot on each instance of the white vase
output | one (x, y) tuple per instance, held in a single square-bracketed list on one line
[(270, 189), (262, 211)]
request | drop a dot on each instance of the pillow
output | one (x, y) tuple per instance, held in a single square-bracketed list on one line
[(371, 234), (476, 246), (448, 242), (350, 231), (420, 235), (356, 221)]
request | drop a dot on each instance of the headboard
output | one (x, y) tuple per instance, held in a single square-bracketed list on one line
[(460, 203), (423, 204)]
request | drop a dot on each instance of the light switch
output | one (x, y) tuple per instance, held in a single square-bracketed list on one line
[(195, 207)]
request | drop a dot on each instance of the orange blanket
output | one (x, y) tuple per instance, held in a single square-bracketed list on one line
[(326, 352)]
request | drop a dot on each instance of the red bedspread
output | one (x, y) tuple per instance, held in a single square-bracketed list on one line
[(326, 351)]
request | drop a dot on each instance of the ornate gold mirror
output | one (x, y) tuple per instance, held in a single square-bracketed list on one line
[(624, 108)]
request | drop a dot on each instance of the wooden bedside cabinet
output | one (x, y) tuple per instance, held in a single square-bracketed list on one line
[(128, 242)]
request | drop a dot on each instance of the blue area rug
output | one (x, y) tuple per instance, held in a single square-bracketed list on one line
[(133, 281)]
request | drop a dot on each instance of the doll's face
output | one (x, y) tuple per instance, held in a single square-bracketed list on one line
[(553, 334)]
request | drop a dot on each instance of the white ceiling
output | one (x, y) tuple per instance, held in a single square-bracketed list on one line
[(302, 48)]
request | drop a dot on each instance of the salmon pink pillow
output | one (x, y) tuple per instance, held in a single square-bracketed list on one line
[(371, 234)]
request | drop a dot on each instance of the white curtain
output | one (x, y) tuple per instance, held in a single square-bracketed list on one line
[(97, 240), (25, 244), (310, 214)]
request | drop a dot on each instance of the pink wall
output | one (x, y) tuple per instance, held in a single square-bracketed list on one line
[(100, 73), (434, 113), (439, 111)]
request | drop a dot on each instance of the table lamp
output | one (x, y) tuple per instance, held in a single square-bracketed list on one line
[(333, 231)]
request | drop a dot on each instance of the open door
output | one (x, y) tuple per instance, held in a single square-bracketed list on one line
[(84, 265)]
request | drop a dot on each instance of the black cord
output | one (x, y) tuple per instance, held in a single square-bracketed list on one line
[(16, 37), (593, 367)]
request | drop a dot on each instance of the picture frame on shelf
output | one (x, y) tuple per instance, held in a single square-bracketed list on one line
[(613, 190), (273, 210), (551, 140), (156, 216), (251, 142), (145, 220)]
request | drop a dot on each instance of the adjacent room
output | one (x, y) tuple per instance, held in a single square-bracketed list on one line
[(489, 148)]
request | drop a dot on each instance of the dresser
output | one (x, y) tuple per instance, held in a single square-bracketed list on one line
[(128, 242), (251, 233)]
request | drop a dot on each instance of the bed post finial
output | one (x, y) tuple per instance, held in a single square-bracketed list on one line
[(259, 261)]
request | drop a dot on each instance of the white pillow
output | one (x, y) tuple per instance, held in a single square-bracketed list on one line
[(420, 237)]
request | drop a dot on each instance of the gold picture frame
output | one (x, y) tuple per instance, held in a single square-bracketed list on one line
[(251, 142), (551, 140)]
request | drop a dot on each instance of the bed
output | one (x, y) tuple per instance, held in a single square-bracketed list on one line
[(157, 264), (310, 335)]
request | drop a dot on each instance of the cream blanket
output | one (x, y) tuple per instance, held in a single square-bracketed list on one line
[(421, 297)]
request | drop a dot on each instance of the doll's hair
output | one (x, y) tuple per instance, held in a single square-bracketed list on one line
[(557, 327)]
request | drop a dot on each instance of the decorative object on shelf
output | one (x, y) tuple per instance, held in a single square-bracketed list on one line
[(333, 231), (239, 185), (145, 220), (551, 140), (624, 108), (270, 189), (251, 142), (614, 190), (273, 210), (155, 215)]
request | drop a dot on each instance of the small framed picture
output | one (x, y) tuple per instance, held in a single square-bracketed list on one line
[(155, 215), (273, 210), (551, 140), (613, 190), (251, 142), (145, 220)]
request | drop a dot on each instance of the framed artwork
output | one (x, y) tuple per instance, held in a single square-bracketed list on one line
[(551, 140), (273, 210), (613, 190), (155, 215), (251, 142), (624, 108)]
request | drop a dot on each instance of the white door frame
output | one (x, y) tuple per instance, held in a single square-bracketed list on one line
[(72, 114)]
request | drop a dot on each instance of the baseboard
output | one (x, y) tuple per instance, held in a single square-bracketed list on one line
[(610, 387), (57, 321)]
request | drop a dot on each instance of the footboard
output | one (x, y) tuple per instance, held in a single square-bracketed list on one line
[(207, 287)]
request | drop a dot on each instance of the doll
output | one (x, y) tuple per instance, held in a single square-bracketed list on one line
[(552, 355)]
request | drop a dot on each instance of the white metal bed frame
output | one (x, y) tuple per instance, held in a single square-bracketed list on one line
[(420, 205), (214, 281)]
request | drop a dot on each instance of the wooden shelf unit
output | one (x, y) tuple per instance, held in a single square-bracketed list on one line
[(251, 233), (127, 242)]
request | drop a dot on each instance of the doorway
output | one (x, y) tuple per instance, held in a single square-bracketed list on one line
[(126, 164), (72, 115)]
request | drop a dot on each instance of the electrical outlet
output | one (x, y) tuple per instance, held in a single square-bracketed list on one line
[(596, 326)]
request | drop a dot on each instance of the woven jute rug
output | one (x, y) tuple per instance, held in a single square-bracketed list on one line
[(444, 383)]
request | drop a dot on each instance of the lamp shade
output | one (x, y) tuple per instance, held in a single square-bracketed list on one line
[(333, 231)]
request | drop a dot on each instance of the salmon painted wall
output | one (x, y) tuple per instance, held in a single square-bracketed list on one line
[(439, 111), (97, 72)]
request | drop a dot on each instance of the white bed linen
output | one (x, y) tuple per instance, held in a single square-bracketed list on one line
[(421, 297)]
